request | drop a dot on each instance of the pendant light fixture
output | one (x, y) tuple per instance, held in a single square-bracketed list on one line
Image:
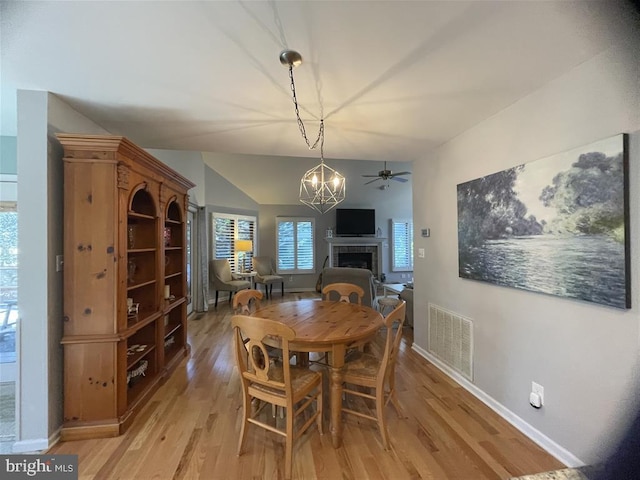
[(321, 187)]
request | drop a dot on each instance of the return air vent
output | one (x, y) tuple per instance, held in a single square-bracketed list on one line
[(451, 340)]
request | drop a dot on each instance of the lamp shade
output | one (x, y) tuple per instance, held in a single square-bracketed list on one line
[(244, 246)]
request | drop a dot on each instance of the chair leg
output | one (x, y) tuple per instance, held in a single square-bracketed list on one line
[(282, 288), (271, 290), (392, 395), (216, 306), (319, 409), (380, 414), (230, 296), (288, 457), (246, 409)]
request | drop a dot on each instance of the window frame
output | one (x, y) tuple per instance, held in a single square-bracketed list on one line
[(397, 244), (296, 270)]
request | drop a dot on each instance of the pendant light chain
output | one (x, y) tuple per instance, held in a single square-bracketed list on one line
[(303, 131), (321, 187)]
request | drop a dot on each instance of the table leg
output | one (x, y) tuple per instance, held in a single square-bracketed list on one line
[(336, 377)]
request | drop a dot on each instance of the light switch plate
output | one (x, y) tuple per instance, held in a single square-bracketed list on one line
[(421, 252)]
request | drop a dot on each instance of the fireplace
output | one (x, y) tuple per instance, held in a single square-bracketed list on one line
[(356, 256), (355, 260)]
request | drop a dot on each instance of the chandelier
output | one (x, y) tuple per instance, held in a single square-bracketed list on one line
[(321, 187)]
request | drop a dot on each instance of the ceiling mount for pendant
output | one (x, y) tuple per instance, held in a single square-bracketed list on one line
[(321, 187), (290, 58)]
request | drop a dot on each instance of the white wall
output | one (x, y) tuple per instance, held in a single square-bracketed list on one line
[(40, 187), (585, 356), (188, 164)]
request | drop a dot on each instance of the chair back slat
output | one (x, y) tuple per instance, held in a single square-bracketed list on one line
[(344, 291), (245, 302), (252, 355)]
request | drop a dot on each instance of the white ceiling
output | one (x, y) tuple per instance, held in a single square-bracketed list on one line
[(393, 78)]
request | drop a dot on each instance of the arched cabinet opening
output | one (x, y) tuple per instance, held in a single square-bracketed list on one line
[(142, 257), (174, 278)]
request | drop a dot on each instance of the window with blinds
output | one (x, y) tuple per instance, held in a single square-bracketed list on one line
[(226, 230), (401, 245), (295, 245)]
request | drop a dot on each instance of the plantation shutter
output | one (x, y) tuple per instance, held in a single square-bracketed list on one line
[(295, 249), (227, 229), (402, 245)]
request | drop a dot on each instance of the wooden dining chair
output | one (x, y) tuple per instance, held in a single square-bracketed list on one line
[(265, 378), (245, 302), (345, 292), (378, 374)]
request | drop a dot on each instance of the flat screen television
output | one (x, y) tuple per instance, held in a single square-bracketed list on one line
[(355, 222)]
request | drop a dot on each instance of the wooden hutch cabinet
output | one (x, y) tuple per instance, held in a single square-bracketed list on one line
[(125, 307)]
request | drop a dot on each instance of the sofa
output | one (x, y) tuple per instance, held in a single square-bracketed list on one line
[(357, 276)]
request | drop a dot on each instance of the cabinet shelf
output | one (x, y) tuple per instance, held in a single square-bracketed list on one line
[(176, 249), (140, 250), (169, 329), (141, 216), (138, 285), (145, 318), (137, 356), (168, 306), (173, 222), (171, 275)]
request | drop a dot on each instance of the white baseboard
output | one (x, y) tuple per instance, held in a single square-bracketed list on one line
[(535, 435), (30, 446)]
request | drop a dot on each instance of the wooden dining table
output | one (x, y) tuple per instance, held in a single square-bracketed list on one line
[(324, 326)]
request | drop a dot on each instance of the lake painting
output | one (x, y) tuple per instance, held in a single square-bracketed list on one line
[(558, 226)]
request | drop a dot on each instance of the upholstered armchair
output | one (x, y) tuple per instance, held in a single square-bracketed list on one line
[(220, 279), (265, 274)]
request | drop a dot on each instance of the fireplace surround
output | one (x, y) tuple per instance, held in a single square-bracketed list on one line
[(358, 252)]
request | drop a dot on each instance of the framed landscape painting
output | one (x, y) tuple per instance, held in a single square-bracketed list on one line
[(558, 226)]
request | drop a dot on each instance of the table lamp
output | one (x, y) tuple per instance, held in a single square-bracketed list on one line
[(242, 247)]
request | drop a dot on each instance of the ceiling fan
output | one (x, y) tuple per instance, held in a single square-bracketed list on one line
[(386, 175)]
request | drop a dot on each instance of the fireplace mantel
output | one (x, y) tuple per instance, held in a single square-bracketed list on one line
[(338, 244), (355, 240)]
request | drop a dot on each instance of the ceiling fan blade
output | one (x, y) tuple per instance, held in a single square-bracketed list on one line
[(374, 180), (370, 176), (401, 173), (399, 179)]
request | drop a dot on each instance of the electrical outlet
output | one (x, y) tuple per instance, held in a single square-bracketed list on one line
[(291, 278), (421, 253), (59, 263), (539, 390)]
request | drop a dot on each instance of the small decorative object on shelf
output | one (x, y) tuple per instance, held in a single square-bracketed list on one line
[(133, 349), (166, 320), (138, 371), (167, 292), (133, 310), (379, 232), (131, 271), (167, 236), (169, 341), (131, 236)]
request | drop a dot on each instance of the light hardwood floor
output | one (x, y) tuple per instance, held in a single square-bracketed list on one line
[(189, 429)]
